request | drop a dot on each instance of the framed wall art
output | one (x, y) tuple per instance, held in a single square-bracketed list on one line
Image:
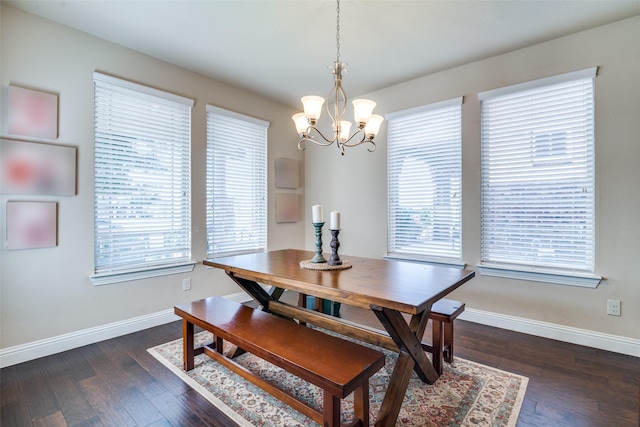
[(37, 169), (286, 173), (32, 113), (287, 209), (32, 225)]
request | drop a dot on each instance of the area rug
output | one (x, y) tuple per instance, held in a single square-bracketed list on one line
[(466, 394)]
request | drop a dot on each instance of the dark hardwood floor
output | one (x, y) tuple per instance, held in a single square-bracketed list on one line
[(118, 383)]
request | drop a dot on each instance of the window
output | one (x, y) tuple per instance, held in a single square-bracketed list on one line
[(538, 180), (142, 187), (236, 183), (425, 182)]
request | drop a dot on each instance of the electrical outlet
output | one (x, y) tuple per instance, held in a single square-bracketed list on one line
[(186, 284), (613, 307)]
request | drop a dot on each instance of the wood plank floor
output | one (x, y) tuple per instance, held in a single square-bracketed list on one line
[(118, 383)]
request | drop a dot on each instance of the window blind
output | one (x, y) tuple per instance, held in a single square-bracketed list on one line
[(538, 182), (142, 172), (236, 183), (425, 182)]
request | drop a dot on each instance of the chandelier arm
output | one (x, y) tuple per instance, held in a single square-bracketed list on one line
[(309, 137), (301, 143), (362, 141)]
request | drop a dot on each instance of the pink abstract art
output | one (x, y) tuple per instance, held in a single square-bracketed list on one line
[(32, 168), (286, 173), (32, 113), (287, 207), (32, 225)]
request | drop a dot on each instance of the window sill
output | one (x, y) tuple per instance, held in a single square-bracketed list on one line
[(117, 277), (441, 263), (571, 279)]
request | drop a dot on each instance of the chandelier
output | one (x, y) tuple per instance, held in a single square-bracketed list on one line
[(367, 122)]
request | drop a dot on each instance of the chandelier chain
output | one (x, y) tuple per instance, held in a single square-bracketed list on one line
[(338, 31)]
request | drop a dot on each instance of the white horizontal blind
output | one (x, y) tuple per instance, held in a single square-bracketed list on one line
[(538, 176), (236, 183), (142, 170), (425, 182)]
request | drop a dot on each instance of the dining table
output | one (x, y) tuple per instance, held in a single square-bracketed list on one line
[(399, 293)]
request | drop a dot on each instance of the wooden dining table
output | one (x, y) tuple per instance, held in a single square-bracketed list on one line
[(399, 293)]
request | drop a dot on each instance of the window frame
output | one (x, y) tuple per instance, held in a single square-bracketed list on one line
[(447, 129), (104, 126), (254, 131), (552, 271)]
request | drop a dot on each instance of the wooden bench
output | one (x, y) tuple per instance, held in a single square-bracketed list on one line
[(335, 365), (442, 315)]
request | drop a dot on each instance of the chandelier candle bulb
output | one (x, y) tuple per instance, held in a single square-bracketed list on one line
[(334, 224), (302, 123), (312, 107), (316, 211), (362, 110), (373, 126), (345, 129)]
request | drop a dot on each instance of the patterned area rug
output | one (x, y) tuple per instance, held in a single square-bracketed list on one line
[(466, 394)]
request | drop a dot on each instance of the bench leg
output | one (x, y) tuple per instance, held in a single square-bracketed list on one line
[(187, 345), (438, 344), (219, 343), (361, 404), (448, 342), (331, 410)]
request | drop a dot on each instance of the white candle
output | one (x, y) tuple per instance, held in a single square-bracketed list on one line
[(316, 211), (335, 220)]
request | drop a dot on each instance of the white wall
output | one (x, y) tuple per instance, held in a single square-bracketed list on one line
[(356, 183), (47, 292)]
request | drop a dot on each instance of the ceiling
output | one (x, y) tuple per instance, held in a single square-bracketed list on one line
[(281, 48)]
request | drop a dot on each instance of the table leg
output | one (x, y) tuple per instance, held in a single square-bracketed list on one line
[(396, 390), (411, 357), (187, 345), (407, 338), (276, 293), (256, 291)]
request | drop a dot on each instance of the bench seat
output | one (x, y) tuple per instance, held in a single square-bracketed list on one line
[(337, 366)]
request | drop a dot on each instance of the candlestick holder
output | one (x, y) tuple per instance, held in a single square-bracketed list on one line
[(335, 244), (318, 258)]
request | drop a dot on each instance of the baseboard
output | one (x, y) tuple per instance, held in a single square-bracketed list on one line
[(33, 350), (614, 343), (239, 297), (46, 347)]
